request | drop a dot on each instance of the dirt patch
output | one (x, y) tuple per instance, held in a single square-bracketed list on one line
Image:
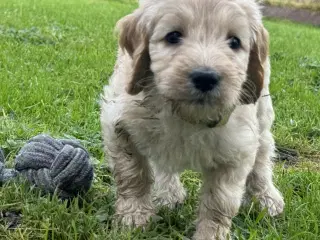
[(313, 5), (288, 155), (10, 219), (293, 14)]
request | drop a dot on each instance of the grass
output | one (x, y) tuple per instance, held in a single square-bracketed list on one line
[(55, 57), (307, 4)]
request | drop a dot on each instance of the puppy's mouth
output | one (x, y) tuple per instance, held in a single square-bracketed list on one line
[(195, 99), (207, 99), (221, 119), (201, 111)]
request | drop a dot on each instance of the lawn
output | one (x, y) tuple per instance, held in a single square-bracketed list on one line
[(55, 57)]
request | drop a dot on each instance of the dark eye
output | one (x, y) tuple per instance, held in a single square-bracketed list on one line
[(234, 43), (174, 37)]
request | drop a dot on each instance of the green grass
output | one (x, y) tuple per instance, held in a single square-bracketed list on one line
[(55, 57)]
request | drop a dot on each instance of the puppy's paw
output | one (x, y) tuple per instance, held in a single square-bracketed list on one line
[(135, 219), (209, 230), (134, 212), (273, 201), (170, 199)]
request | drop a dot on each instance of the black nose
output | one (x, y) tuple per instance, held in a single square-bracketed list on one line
[(204, 79)]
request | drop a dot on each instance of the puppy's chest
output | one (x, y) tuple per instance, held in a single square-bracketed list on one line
[(177, 145)]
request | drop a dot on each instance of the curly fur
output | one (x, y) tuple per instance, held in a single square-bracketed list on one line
[(156, 124)]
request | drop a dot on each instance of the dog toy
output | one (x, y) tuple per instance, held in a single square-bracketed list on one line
[(5, 173), (55, 165)]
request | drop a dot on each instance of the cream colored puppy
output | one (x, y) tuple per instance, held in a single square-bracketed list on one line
[(190, 91)]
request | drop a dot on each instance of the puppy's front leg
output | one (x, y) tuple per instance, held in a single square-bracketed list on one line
[(168, 189), (260, 183), (133, 177), (220, 200)]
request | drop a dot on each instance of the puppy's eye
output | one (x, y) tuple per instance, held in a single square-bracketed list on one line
[(173, 37), (234, 43)]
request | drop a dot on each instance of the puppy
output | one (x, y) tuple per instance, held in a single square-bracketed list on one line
[(190, 91)]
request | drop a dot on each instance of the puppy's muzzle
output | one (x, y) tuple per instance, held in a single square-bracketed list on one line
[(204, 79)]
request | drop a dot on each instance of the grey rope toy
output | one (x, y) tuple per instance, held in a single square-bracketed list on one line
[(5, 173), (55, 165)]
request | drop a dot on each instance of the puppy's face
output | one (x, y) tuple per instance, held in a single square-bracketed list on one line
[(204, 56)]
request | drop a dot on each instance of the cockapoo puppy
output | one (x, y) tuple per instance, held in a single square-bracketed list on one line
[(190, 91)]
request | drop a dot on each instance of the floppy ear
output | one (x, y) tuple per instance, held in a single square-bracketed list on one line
[(135, 41), (252, 87)]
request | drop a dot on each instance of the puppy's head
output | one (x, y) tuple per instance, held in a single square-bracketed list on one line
[(203, 56)]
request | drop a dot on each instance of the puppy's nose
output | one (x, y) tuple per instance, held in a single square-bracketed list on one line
[(204, 79)]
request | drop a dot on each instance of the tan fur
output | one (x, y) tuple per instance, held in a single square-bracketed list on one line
[(258, 57), (155, 123), (135, 41)]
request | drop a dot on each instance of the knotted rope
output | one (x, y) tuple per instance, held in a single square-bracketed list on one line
[(5, 173), (55, 165)]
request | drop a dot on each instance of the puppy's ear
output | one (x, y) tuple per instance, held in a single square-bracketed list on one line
[(135, 41), (252, 87)]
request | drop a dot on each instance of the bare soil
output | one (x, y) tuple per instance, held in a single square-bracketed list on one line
[(293, 14)]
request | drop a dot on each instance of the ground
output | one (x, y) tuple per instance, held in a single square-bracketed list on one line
[(307, 4), (55, 57)]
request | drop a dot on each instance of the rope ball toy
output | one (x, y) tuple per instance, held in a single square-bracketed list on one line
[(54, 165), (5, 174)]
